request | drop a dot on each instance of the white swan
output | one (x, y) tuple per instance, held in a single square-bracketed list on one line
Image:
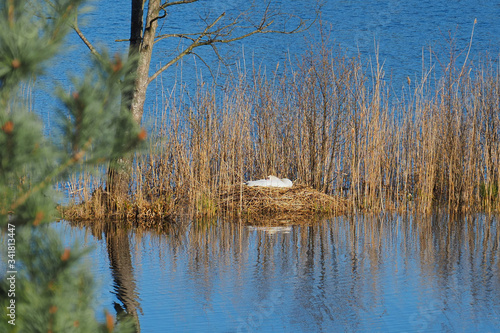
[(271, 181)]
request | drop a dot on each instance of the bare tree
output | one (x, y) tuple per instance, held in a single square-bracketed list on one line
[(217, 29)]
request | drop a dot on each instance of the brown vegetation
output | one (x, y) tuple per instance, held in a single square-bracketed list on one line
[(298, 199), (328, 125)]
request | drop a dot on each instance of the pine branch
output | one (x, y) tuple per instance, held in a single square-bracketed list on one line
[(50, 178)]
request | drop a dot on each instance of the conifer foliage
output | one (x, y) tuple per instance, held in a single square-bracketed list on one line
[(44, 286)]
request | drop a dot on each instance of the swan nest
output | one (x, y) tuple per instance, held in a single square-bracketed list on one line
[(298, 199)]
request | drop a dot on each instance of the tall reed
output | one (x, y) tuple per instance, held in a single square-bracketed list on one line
[(332, 123)]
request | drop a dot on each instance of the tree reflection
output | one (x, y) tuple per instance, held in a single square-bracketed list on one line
[(357, 273), (122, 270)]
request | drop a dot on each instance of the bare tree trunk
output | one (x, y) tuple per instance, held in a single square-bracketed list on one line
[(118, 179), (142, 39), (145, 51), (141, 46)]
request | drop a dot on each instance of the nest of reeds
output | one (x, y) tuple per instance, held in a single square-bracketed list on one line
[(298, 199)]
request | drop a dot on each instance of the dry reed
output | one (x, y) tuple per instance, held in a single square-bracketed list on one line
[(327, 124), (298, 199)]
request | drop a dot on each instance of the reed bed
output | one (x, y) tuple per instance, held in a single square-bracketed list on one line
[(335, 125), (99, 206)]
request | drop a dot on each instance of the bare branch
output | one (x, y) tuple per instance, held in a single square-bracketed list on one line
[(221, 59), (259, 30), (159, 17), (226, 33), (164, 36), (205, 63), (80, 34), (197, 42), (168, 4)]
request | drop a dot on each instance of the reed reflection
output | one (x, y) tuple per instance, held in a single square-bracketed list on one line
[(359, 273), (341, 272)]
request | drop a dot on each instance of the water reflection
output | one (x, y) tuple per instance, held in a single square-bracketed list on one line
[(117, 244), (118, 247), (382, 273)]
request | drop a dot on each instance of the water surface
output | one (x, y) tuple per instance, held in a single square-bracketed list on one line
[(383, 274), (386, 274), (402, 32)]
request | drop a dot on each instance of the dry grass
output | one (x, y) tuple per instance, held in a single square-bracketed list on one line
[(328, 124), (298, 199), (100, 206)]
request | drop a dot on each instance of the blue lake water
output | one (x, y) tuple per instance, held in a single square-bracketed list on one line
[(403, 32), (386, 274), (364, 274)]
